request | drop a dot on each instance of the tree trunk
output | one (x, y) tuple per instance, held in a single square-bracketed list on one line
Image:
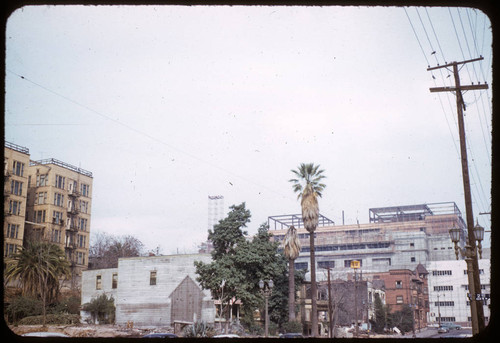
[(314, 305), (291, 290)]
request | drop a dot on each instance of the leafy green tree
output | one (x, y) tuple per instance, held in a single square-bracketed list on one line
[(379, 321), (101, 308), (39, 267), (309, 187), (238, 264), (402, 319)]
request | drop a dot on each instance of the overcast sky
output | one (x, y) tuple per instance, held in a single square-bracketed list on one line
[(167, 105)]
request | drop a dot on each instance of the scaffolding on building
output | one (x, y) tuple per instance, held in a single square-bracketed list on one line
[(285, 221), (412, 212)]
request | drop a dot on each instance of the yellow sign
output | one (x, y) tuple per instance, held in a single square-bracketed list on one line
[(355, 264)]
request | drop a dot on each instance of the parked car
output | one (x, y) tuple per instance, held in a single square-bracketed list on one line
[(291, 335), (443, 329), (44, 334), (228, 335), (451, 326), (161, 335)]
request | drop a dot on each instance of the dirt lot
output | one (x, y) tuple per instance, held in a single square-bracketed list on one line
[(86, 330)]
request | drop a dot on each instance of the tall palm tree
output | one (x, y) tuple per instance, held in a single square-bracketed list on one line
[(309, 187), (291, 247), (38, 267)]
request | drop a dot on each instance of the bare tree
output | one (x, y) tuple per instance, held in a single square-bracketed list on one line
[(106, 249)]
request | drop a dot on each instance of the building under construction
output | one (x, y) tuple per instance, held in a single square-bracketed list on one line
[(396, 237)]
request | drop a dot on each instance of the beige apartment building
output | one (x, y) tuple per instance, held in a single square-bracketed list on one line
[(16, 163), (59, 207)]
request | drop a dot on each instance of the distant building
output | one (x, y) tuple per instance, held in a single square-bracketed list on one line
[(152, 291), (59, 209), (16, 162), (449, 289), (397, 237)]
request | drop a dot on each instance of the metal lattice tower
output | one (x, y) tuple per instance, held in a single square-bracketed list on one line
[(215, 210)]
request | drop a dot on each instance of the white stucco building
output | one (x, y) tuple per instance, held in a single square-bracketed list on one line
[(152, 291), (448, 289)]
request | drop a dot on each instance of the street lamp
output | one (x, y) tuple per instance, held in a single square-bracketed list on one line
[(470, 255), (266, 287)]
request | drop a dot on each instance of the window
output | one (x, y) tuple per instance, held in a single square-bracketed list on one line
[(441, 272), (443, 288), (98, 282), (58, 199), (412, 259), (81, 241), (326, 264), (60, 180), (18, 168), (85, 189), (81, 258), (82, 224), (41, 180), (399, 299), (55, 236), (114, 280), (12, 231), (39, 216), (57, 218), (9, 249), (301, 265), (399, 284), (412, 245), (84, 206), (40, 198), (16, 187), (444, 303), (14, 207), (152, 278)]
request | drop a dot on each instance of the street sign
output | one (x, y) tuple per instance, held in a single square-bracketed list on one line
[(355, 264)]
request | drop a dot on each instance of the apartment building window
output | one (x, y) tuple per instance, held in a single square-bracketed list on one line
[(98, 282), (412, 259), (40, 198), (60, 180), (85, 189), (12, 231), (58, 199), (481, 271), (152, 278), (39, 216), (114, 280), (399, 299), (18, 168), (399, 284), (16, 187), (81, 241), (10, 249), (41, 180), (441, 272), (84, 206), (14, 207), (81, 258), (55, 236), (57, 218), (82, 224)]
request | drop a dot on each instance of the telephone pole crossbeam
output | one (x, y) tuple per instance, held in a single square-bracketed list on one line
[(477, 312)]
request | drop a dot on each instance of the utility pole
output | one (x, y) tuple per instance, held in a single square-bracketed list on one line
[(477, 312)]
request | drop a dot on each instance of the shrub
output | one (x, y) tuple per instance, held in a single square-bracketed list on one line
[(293, 326), (22, 307), (64, 319), (102, 308), (199, 329)]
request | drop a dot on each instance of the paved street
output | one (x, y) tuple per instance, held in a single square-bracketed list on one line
[(432, 333)]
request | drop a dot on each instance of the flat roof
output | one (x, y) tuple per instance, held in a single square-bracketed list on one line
[(286, 220)]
